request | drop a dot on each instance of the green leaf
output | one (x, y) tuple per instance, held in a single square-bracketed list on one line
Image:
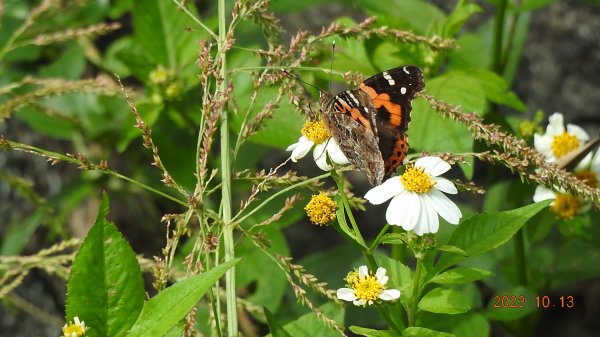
[(444, 301), (274, 327), (160, 29), (69, 65), (401, 278), (424, 332), (258, 271), (460, 275), (309, 324), (474, 325), (496, 89), (18, 234), (105, 287), (451, 249), (456, 20), (486, 231), (420, 15), (372, 332), (161, 313)]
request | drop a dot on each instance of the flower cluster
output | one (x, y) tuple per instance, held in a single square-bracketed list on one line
[(364, 288), (555, 144)]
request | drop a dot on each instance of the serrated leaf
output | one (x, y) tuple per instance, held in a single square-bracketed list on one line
[(105, 287), (162, 312), (444, 301), (424, 332), (486, 231), (460, 275), (372, 332)]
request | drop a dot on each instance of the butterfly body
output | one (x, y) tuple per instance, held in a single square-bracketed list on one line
[(370, 122)]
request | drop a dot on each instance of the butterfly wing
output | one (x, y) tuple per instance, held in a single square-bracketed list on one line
[(350, 119), (391, 93)]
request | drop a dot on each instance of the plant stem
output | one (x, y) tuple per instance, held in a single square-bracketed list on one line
[(229, 244), (398, 251), (375, 242), (412, 314), (498, 37)]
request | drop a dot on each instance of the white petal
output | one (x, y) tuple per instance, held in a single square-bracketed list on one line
[(444, 206), (445, 185), (381, 277), (320, 157), (578, 132), (403, 210), (542, 193), (433, 165), (595, 164), (428, 219), (556, 126), (363, 271), (382, 193), (335, 152), (360, 303), (300, 149), (543, 144), (389, 294), (346, 294)]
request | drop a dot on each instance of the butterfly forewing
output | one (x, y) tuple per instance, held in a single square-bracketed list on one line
[(370, 122)]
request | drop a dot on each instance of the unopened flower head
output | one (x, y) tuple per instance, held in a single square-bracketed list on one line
[(558, 141), (326, 150), (320, 209), (74, 329), (417, 197), (365, 288)]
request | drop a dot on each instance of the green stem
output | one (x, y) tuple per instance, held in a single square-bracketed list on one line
[(412, 314), (498, 37), (398, 251), (379, 237), (229, 243), (236, 221)]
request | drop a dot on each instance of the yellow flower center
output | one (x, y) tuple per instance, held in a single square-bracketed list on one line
[(588, 177), (563, 144), (566, 205), (73, 330), (315, 131), (320, 209), (352, 278), (367, 288), (416, 180)]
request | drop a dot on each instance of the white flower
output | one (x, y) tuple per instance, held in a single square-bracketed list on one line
[(417, 197), (367, 288), (314, 136), (565, 205), (557, 142), (76, 329)]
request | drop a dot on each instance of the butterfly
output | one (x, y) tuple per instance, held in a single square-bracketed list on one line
[(370, 121)]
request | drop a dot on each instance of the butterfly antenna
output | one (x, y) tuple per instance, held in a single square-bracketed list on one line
[(331, 64), (300, 80)]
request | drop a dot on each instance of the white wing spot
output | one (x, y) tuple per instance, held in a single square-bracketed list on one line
[(388, 78), (353, 98), (403, 90), (405, 70)]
